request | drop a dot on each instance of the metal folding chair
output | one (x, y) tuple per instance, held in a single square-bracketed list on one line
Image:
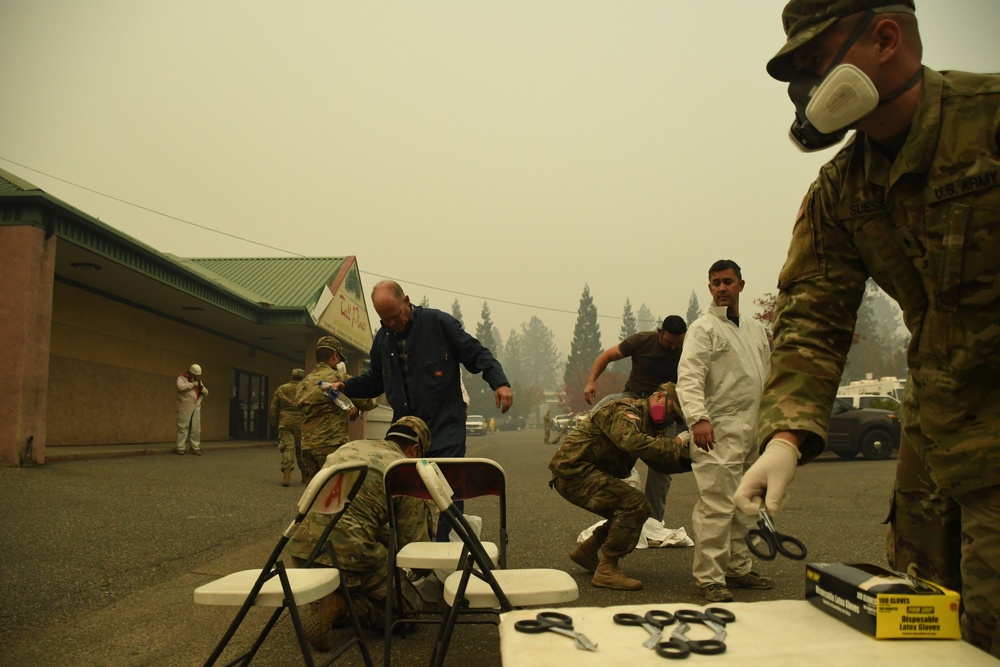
[(478, 585), (470, 478), (330, 492)]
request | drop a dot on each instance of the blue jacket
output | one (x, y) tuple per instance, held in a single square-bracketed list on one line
[(435, 345)]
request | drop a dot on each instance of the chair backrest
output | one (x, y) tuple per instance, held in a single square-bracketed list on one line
[(330, 492), (441, 492), (332, 489), (465, 478)]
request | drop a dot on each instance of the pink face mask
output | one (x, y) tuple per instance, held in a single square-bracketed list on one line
[(658, 413)]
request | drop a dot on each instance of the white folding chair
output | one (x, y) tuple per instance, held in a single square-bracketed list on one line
[(477, 585), (329, 492), (470, 478)]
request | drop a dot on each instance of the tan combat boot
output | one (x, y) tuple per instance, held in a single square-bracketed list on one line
[(586, 554), (608, 575), (286, 477), (326, 613)]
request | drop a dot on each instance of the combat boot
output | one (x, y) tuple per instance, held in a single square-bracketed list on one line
[(326, 613), (608, 575), (586, 554), (286, 477)]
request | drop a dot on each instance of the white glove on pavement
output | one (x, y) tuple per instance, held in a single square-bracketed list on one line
[(770, 474)]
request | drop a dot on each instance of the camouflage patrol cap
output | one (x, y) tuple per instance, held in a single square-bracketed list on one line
[(298, 374), (411, 429), (330, 343), (670, 389), (805, 20)]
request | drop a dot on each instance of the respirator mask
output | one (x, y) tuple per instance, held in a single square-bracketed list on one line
[(827, 106), (658, 413), (342, 367)]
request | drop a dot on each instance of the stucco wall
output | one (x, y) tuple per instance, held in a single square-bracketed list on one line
[(113, 368)]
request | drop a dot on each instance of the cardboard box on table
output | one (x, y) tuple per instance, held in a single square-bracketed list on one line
[(881, 603)]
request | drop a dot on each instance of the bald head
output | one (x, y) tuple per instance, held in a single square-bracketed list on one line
[(392, 305)]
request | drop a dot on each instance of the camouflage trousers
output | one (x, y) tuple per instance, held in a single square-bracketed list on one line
[(624, 507), (548, 432), (368, 591), (952, 541), (290, 447), (313, 459)]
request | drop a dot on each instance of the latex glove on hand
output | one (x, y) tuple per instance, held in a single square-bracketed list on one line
[(683, 438), (768, 477)]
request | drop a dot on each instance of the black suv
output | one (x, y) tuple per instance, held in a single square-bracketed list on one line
[(874, 433)]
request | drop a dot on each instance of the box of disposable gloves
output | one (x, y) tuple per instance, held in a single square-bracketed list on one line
[(882, 603)]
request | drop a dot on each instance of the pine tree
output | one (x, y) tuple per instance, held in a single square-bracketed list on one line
[(645, 319), (693, 308), (629, 327), (456, 311), (425, 302), (584, 350), (481, 396)]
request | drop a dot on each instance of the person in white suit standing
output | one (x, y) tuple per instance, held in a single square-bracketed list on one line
[(191, 391)]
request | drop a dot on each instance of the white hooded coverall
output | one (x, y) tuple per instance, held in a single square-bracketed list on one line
[(189, 413), (720, 378)]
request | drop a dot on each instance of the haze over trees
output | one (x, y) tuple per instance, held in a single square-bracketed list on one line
[(694, 310), (879, 346), (585, 348)]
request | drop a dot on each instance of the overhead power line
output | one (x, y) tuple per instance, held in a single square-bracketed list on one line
[(288, 252)]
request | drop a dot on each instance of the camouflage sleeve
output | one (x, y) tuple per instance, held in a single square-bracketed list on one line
[(625, 429), (365, 404), (820, 290), (309, 393), (274, 410), (412, 521)]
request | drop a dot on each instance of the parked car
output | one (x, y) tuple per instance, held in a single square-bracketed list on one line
[(873, 401), (561, 420), (510, 423), (476, 425), (872, 432)]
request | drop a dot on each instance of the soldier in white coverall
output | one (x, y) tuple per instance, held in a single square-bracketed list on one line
[(190, 393), (720, 378)]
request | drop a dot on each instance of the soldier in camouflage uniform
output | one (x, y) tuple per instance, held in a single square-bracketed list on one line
[(359, 536), (912, 201), (285, 415), (324, 424), (588, 470)]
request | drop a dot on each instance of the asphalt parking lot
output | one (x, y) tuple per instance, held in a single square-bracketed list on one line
[(100, 557)]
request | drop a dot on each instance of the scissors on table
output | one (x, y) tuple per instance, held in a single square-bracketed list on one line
[(552, 621), (680, 646), (654, 621), (776, 543)]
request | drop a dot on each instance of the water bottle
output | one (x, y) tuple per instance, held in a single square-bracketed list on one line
[(337, 397)]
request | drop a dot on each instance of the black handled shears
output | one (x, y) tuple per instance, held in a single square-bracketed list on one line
[(680, 646), (552, 621), (654, 621), (775, 542)]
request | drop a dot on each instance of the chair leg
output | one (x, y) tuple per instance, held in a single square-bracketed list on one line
[(359, 638), (234, 626), (300, 632)]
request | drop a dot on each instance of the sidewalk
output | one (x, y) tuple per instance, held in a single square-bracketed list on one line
[(84, 452)]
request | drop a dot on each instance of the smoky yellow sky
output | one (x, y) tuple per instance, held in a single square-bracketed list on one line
[(510, 152)]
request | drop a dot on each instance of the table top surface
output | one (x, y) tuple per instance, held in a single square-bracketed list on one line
[(774, 633)]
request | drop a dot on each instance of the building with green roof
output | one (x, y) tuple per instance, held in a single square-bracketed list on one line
[(97, 326)]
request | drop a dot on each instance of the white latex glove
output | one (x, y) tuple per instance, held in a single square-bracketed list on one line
[(683, 438), (770, 474)]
